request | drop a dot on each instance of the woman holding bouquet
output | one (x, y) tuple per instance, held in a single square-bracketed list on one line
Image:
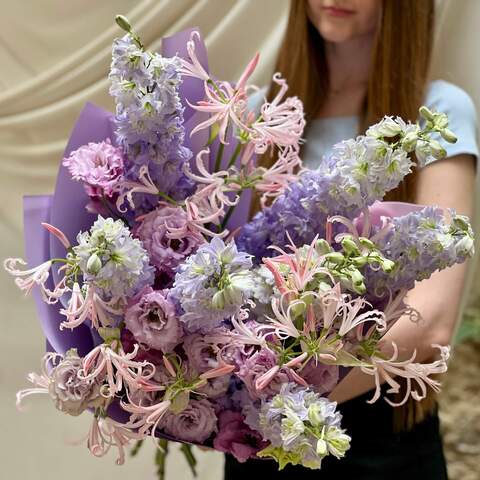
[(351, 62)]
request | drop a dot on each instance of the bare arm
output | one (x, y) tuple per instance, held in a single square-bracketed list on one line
[(446, 183)]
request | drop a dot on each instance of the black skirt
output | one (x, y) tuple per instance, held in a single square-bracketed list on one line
[(376, 453)]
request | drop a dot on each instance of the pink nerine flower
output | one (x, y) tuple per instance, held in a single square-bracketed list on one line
[(262, 375), (98, 166), (237, 438), (168, 237), (193, 424), (151, 319)]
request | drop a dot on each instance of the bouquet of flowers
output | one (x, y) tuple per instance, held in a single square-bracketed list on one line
[(168, 314)]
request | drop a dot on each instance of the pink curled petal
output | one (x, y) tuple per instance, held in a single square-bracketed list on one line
[(58, 233), (327, 357), (266, 378), (217, 372), (298, 378), (297, 360), (169, 366)]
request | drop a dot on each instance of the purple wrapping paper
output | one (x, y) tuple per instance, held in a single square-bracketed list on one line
[(37, 248)]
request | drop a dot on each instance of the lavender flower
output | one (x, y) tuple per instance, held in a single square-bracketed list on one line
[(111, 259), (302, 427), (152, 320), (212, 284), (195, 423), (98, 165), (237, 438), (166, 237), (356, 174), (71, 393), (149, 116), (420, 243)]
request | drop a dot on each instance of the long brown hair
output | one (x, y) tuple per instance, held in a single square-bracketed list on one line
[(400, 67), (397, 85)]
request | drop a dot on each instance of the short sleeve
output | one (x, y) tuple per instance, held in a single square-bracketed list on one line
[(462, 116)]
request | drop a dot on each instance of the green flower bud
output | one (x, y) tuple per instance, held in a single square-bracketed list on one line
[(218, 300), (123, 23), (359, 261), (365, 242), (387, 265), (307, 297), (448, 135), (322, 447), (357, 280), (426, 113), (350, 246), (436, 149), (335, 257), (94, 264), (322, 247)]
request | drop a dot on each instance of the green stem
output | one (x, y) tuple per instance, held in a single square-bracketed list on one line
[(160, 458), (60, 260), (136, 448), (218, 160), (226, 218), (236, 152), (217, 89), (190, 458), (168, 198)]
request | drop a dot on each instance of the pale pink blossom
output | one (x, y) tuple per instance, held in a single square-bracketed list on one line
[(193, 68), (418, 376), (40, 382), (302, 267), (127, 188), (37, 276), (90, 306), (106, 433), (223, 102), (145, 416), (119, 369), (281, 122), (278, 177)]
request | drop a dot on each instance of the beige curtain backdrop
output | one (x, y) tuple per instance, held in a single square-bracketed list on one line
[(54, 56)]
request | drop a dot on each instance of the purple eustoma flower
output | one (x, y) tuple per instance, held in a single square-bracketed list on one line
[(152, 320), (195, 423), (165, 235), (98, 165), (237, 438)]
